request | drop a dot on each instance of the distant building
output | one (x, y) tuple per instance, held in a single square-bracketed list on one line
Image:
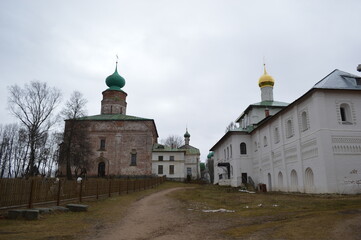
[(121, 145), (312, 145), (176, 164)]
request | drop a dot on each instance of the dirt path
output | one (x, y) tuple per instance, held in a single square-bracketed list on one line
[(159, 217)]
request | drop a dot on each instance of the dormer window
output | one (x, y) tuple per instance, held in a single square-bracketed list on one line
[(358, 81)]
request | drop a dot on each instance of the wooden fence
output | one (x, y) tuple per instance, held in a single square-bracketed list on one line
[(27, 193)]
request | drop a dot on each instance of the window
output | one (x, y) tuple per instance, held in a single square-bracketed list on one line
[(289, 128), (230, 149), (277, 135), (227, 152), (304, 121), (309, 178), (160, 169), (160, 158), (133, 158), (102, 144), (280, 180), (358, 81), (243, 148), (255, 146), (294, 180), (171, 158), (265, 143), (171, 169), (189, 171), (345, 113)]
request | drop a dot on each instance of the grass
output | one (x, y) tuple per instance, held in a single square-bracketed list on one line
[(75, 225), (273, 215)]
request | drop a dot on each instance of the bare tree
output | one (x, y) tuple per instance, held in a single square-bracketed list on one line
[(13, 150), (34, 106), (231, 126), (75, 148), (173, 141)]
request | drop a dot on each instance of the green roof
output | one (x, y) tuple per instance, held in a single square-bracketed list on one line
[(185, 148), (113, 117), (270, 104), (164, 148)]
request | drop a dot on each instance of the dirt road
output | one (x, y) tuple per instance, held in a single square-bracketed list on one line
[(158, 217)]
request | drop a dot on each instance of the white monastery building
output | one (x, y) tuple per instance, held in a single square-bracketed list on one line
[(311, 145), (177, 164)]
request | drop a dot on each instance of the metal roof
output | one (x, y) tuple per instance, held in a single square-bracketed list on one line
[(113, 117), (339, 80)]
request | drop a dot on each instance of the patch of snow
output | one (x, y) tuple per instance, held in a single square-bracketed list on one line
[(218, 210)]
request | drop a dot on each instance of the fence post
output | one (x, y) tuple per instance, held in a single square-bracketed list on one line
[(127, 185), (97, 189), (110, 185), (31, 194), (120, 186), (59, 191), (81, 190)]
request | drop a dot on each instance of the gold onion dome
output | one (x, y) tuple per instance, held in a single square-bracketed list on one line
[(266, 80)]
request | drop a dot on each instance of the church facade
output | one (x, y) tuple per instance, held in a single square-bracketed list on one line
[(312, 145), (119, 144)]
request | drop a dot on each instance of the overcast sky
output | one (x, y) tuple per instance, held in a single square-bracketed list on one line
[(186, 63)]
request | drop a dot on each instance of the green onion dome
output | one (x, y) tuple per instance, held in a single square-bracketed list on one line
[(115, 81), (187, 135)]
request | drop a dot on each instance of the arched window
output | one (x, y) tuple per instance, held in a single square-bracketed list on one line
[(289, 128), (277, 135), (309, 178), (230, 149), (294, 180), (227, 152), (304, 121), (269, 182), (243, 148), (280, 180), (255, 146), (265, 142), (345, 113), (133, 157), (225, 156)]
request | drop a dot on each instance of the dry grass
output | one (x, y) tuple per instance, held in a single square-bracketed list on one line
[(276, 215), (101, 214), (296, 216)]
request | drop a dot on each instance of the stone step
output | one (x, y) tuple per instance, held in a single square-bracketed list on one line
[(77, 207)]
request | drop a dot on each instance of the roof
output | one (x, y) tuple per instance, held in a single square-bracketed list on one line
[(271, 104), (113, 117), (231, 132), (339, 80), (190, 149), (164, 148)]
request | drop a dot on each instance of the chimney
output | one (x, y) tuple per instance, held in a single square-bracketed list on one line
[(266, 112)]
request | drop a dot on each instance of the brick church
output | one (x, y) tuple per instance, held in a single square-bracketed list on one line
[(120, 145)]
